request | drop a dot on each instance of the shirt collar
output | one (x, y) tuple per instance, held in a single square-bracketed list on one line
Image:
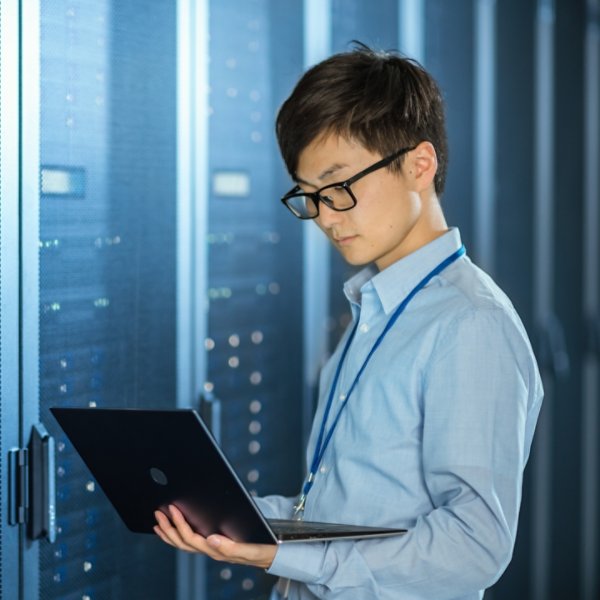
[(398, 280)]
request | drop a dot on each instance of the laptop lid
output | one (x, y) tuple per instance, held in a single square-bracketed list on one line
[(145, 460)]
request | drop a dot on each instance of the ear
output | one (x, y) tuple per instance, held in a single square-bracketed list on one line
[(422, 166)]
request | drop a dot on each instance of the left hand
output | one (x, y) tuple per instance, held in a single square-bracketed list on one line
[(178, 533)]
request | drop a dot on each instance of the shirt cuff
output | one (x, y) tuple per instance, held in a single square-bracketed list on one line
[(299, 561)]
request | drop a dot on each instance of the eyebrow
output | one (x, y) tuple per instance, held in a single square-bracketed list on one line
[(326, 173)]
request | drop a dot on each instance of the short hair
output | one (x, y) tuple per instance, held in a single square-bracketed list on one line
[(383, 100)]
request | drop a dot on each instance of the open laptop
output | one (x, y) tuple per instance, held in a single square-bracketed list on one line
[(145, 460)]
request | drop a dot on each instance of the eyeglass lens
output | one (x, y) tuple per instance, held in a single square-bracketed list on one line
[(337, 198)]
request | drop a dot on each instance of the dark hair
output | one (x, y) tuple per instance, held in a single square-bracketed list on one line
[(380, 99)]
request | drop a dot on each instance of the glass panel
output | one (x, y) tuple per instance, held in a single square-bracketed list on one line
[(107, 266)]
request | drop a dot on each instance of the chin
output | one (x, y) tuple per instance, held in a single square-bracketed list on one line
[(357, 261)]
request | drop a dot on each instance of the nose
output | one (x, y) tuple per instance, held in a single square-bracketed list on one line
[(328, 217)]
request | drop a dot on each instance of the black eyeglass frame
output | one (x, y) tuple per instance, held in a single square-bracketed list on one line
[(317, 197)]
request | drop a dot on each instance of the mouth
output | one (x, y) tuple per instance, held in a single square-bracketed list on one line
[(343, 240)]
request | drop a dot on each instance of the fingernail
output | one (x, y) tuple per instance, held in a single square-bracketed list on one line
[(214, 541)]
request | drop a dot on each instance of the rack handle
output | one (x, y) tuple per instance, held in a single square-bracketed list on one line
[(42, 485)]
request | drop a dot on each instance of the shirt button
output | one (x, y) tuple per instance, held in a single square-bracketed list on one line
[(342, 397), (323, 469), (364, 328)]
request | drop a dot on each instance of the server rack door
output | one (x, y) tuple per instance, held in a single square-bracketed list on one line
[(514, 223), (9, 291), (254, 341), (107, 266), (566, 557)]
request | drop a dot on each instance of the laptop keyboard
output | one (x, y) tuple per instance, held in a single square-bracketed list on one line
[(305, 527)]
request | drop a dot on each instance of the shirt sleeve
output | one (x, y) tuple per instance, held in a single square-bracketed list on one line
[(481, 394), (276, 507)]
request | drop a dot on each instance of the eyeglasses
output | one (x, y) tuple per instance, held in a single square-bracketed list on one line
[(337, 196)]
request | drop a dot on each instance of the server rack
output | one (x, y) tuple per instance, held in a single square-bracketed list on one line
[(254, 278), (101, 248), (101, 218), (514, 248), (568, 181)]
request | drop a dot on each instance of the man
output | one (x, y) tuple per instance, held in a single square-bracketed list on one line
[(427, 408)]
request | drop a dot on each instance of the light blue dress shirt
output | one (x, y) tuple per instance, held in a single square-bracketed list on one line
[(434, 439)]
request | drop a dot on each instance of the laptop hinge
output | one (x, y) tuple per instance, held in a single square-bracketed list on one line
[(18, 485)]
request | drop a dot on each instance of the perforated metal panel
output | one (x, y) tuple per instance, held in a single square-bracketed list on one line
[(255, 260), (107, 267)]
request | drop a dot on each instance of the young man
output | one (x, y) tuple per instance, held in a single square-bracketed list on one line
[(427, 408)]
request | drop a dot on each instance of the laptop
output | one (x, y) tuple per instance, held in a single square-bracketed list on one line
[(145, 460)]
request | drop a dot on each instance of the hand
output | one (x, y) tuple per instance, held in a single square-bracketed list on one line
[(178, 533)]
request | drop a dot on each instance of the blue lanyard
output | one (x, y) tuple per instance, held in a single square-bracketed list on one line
[(323, 440)]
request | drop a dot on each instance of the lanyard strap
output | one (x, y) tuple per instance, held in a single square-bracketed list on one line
[(324, 439)]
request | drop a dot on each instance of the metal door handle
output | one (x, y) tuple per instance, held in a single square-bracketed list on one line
[(42, 485)]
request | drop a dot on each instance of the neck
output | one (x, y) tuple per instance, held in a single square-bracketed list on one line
[(430, 225)]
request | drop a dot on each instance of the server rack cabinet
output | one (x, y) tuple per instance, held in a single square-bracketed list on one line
[(514, 223), (99, 265), (254, 286), (566, 558), (103, 161), (9, 292)]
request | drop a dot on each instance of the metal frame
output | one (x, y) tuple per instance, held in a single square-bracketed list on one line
[(411, 29), (543, 291), (590, 513), (317, 251), (485, 133), (9, 283), (192, 227), (29, 227)]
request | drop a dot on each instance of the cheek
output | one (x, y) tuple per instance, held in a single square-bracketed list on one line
[(404, 213)]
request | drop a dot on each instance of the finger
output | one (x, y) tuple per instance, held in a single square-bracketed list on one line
[(158, 531), (194, 540), (170, 534), (220, 547), (186, 533), (186, 538)]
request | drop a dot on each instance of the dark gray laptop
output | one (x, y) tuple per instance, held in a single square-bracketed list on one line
[(145, 460)]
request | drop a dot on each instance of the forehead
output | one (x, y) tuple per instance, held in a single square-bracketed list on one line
[(328, 154)]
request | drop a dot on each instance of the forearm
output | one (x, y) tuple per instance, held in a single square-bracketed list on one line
[(452, 552)]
